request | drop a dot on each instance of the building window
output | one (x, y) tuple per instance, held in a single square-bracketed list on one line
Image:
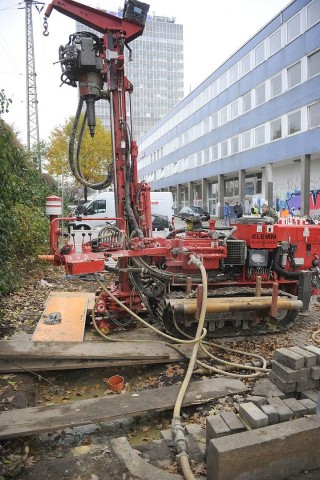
[(275, 42), (275, 129), (293, 28), (260, 94), (294, 122), (234, 109), (246, 140), (314, 115), (314, 64), (215, 121), (231, 187), (224, 148), (223, 115), (259, 54), (276, 85), (223, 82), (294, 75), (245, 64), (215, 152), (313, 13), (234, 73), (259, 135), (246, 102), (234, 145)]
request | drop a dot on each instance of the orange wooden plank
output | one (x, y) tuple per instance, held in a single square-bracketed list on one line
[(73, 311)]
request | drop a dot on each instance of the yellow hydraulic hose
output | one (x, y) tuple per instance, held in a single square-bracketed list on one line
[(177, 430)]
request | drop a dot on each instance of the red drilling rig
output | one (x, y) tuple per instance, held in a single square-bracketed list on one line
[(259, 274)]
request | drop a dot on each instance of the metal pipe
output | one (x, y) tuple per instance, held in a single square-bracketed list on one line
[(215, 305)]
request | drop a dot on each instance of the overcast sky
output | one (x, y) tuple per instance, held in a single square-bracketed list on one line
[(213, 30)]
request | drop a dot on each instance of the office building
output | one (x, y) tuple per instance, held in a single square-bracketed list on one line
[(250, 132)]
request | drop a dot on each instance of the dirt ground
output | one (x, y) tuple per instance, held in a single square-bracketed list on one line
[(84, 453)]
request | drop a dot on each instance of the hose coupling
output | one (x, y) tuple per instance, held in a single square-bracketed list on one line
[(195, 260), (179, 440)]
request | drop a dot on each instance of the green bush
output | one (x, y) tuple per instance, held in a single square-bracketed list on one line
[(24, 227)]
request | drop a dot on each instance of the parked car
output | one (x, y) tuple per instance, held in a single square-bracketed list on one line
[(192, 210), (160, 222)]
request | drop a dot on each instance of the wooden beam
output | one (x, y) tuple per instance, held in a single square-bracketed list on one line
[(86, 350), (36, 420)]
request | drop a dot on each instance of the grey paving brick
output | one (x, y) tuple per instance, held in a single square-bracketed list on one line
[(233, 422), (315, 350), (287, 374), (266, 388), (271, 412), (310, 405), (283, 410), (313, 384), (290, 358), (250, 414), (167, 436), (297, 408), (195, 431), (315, 372), (256, 399), (216, 427), (310, 357), (281, 384), (311, 394), (302, 385)]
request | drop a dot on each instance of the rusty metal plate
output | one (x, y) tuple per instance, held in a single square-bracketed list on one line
[(69, 312)]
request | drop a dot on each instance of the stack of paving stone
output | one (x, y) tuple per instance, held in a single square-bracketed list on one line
[(296, 369), (295, 373)]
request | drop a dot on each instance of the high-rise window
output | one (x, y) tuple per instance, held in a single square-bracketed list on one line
[(259, 135), (293, 28), (275, 129), (260, 94), (275, 42), (313, 13), (246, 102), (294, 75), (223, 115), (314, 64), (246, 140), (234, 145), (259, 54), (245, 64), (224, 148), (314, 115), (276, 85), (234, 109), (223, 81), (294, 122), (234, 73)]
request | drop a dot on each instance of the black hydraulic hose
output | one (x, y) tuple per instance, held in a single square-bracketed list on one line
[(75, 169), (281, 271)]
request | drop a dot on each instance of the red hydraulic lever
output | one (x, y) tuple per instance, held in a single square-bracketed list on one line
[(96, 19)]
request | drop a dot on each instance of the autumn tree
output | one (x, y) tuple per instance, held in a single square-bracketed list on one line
[(95, 153)]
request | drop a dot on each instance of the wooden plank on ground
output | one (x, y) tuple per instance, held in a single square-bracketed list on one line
[(9, 365), (72, 310), (85, 350), (36, 420)]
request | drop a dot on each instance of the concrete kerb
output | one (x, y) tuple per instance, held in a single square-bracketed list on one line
[(268, 453), (136, 465)]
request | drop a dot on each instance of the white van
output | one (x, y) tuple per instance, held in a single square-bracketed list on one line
[(102, 205)]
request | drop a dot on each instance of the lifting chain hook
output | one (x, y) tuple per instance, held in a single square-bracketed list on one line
[(45, 26)]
